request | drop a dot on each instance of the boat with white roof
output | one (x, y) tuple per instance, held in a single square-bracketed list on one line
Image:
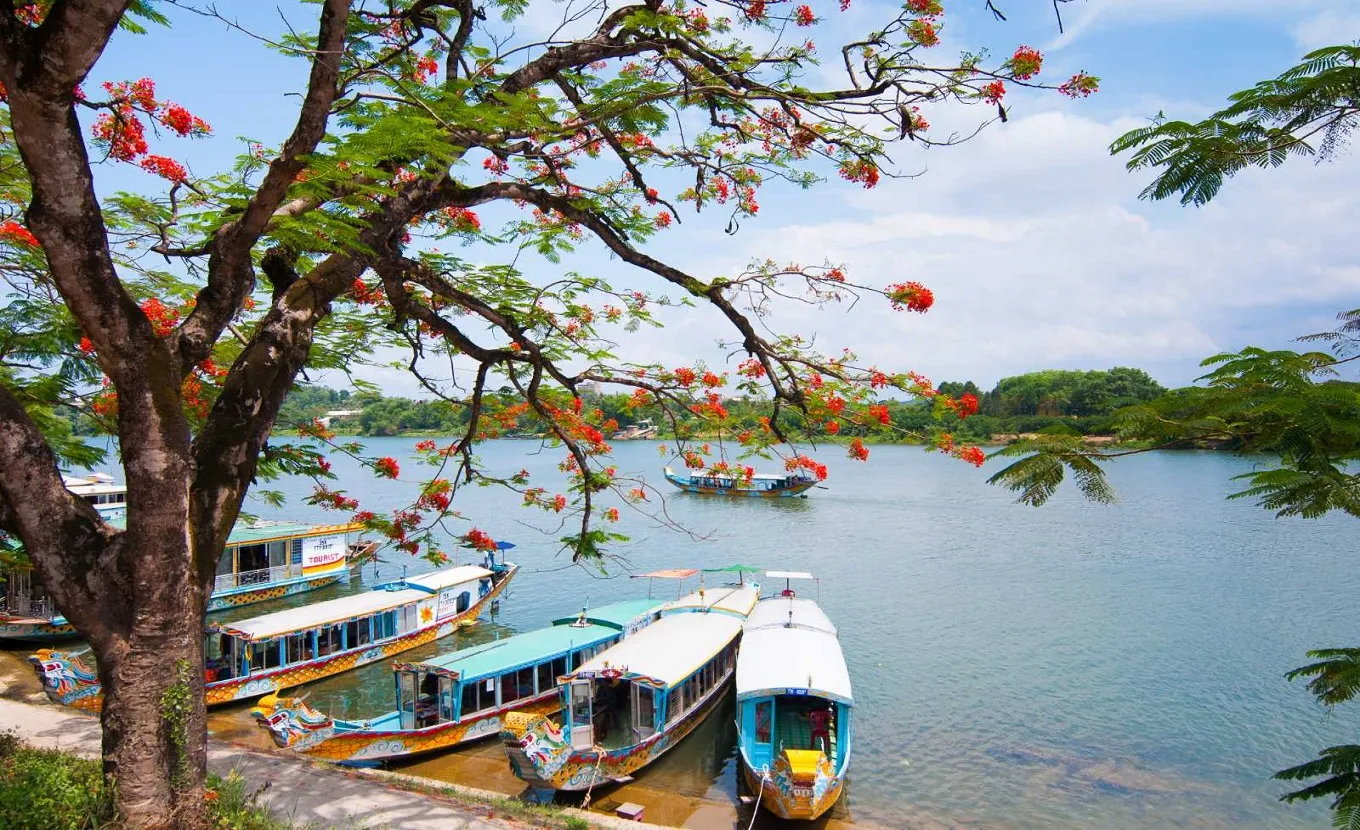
[(629, 704), (459, 697), (794, 705), (742, 483), (249, 658), (262, 560)]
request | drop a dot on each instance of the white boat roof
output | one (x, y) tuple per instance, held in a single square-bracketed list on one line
[(711, 474), (96, 483), (436, 581), (322, 613), (789, 643), (668, 650), (733, 599), (789, 575)]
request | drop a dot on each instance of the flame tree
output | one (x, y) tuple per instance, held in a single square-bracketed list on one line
[(180, 317)]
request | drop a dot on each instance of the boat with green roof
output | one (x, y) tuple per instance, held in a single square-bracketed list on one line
[(461, 696), (262, 560)]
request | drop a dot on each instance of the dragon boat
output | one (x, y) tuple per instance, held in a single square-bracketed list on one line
[(628, 705), (262, 560), (249, 658), (759, 485), (458, 697), (794, 705)]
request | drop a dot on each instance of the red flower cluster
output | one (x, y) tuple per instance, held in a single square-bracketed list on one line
[(863, 171), (922, 32), (478, 540), (86, 346), (363, 295), (386, 467), (925, 8), (751, 368), (122, 129), (559, 503), (832, 427), (973, 455), (163, 318), (332, 499), (755, 10), (802, 462), (462, 219), (685, 376), (166, 168), (663, 219), (1080, 85), (495, 165), (858, 451), (1026, 63), (425, 67), (437, 495), (611, 515), (13, 233), (803, 16), (993, 92), (910, 295), (427, 445), (123, 132), (881, 413)]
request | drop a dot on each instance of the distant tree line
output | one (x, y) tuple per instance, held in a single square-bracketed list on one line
[(1051, 401)]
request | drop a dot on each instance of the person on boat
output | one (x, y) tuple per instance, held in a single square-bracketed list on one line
[(819, 723)]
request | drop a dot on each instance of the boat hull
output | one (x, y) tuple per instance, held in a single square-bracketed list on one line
[(293, 724), (36, 630), (787, 798), (224, 601), (540, 756), (742, 492), (70, 683)]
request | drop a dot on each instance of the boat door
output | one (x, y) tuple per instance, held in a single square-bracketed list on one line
[(582, 715)]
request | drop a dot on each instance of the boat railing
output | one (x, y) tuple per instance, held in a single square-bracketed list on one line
[(26, 606), (263, 576)]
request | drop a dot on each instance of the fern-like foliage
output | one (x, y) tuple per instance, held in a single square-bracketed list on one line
[(1309, 110), (1047, 459), (1335, 675), (1339, 768)]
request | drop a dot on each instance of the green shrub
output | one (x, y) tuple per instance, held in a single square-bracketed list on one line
[(41, 789)]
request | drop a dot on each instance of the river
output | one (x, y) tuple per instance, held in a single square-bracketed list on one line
[(1071, 666)]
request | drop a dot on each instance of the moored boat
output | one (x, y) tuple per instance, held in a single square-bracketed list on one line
[(629, 704), (794, 706), (100, 490), (461, 696), (262, 560), (249, 658), (757, 485)]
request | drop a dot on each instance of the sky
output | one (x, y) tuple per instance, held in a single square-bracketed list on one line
[(1032, 236)]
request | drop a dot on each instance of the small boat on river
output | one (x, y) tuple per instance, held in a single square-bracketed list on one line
[(794, 705), (458, 697), (759, 485), (262, 560), (249, 658), (629, 704)]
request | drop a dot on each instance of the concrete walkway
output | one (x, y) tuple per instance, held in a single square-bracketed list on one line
[(313, 796)]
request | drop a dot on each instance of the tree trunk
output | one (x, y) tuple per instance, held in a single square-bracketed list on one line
[(154, 718)]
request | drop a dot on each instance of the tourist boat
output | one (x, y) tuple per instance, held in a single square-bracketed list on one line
[(761, 486), (640, 431), (262, 560), (249, 658), (458, 697), (99, 489), (794, 705), (629, 704)]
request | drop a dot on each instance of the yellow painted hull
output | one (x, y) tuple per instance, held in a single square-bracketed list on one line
[(789, 802)]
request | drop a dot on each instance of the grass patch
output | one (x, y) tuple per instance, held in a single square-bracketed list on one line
[(43, 789)]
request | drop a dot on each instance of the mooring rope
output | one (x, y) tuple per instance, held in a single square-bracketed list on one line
[(764, 776), (594, 776)]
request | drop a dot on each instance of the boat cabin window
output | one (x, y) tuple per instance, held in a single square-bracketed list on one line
[(300, 647), (644, 712), (385, 625), (264, 655), (227, 564), (328, 640), (517, 685), (478, 695), (763, 721), (220, 657), (464, 600), (358, 632)]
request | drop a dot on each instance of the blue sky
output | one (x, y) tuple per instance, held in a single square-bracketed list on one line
[(1031, 236)]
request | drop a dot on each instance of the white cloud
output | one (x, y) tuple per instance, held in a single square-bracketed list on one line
[(1328, 28), (1081, 18)]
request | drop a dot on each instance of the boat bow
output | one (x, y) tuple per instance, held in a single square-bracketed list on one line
[(292, 723), (68, 679)]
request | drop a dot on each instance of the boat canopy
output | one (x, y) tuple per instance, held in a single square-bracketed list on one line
[(733, 599), (789, 575), (666, 652), (436, 581), (344, 609), (270, 531), (510, 653), (330, 612), (669, 573), (789, 644), (616, 614)]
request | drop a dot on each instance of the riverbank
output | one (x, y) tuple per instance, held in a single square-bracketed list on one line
[(306, 793)]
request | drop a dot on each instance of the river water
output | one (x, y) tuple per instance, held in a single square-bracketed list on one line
[(1072, 666)]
